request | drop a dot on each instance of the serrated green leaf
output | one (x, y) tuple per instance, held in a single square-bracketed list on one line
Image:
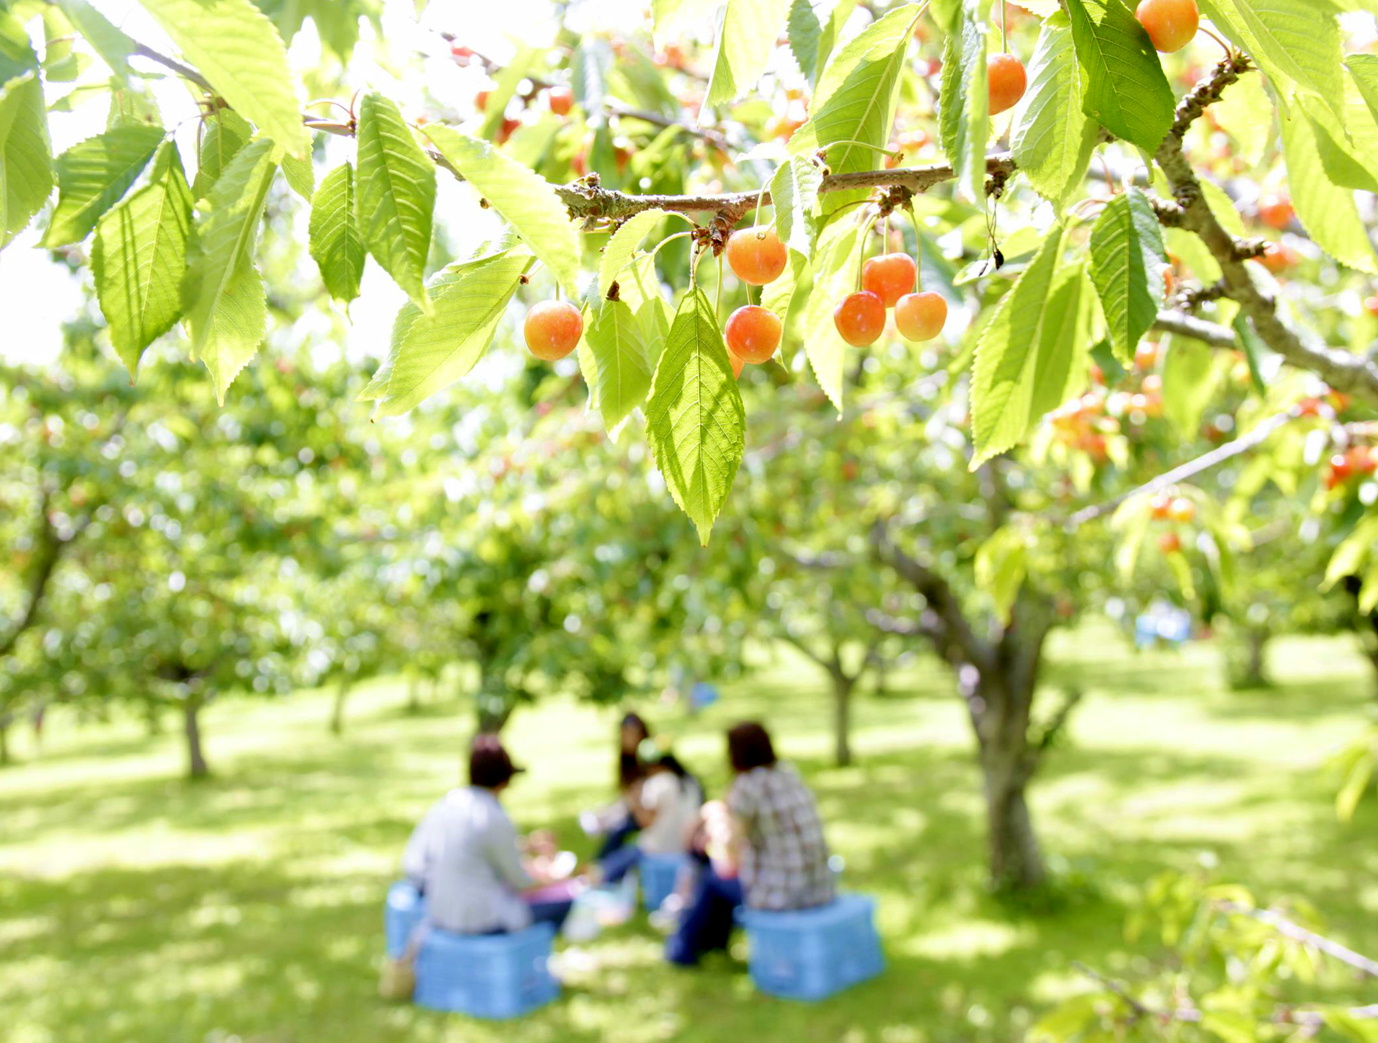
[(522, 198), (613, 359), (794, 194), (431, 352), (222, 135), (222, 294), (337, 245), (1052, 139), (1190, 377), (1025, 353), (1126, 91), (1127, 264), (639, 286), (106, 39), (1327, 211), (695, 420), (139, 256), (1343, 148), (396, 195), (745, 43), (299, 174), (26, 163), (804, 31), (1293, 41), (964, 103), (238, 49), (855, 101), (1246, 113), (834, 277), (1001, 564), (17, 55), (622, 246), (93, 175)]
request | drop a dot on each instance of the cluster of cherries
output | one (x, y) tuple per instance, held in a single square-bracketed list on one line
[(1176, 509), (1358, 461)]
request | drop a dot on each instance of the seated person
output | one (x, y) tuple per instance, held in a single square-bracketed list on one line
[(464, 857), (665, 810), (775, 858), (615, 823)]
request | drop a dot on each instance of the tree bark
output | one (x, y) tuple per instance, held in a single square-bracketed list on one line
[(1373, 658), (413, 694), (842, 717), (337, 711), (1016, 861), (4, 742), (197, 768), (1256, 665)]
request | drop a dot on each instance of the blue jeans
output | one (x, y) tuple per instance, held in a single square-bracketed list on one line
[(617, 837), (551, 912), (708, 919), (618, 863)]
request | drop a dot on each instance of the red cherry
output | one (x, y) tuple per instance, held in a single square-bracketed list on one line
[(552, 329), (1171, 24), (1170, 543), (920, 316), (560, 100), (860, 318), (1007, 80), (889, 277), (753, 333), (1276, 211), (756, 255)]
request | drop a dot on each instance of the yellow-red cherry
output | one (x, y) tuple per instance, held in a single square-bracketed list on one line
[(1171, 24), (552, 329), (889, 277), (753, 333), (756, 255), (920, 316), (1008, 80), (860, 318)]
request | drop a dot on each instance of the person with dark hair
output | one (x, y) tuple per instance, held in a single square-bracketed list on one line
[(617, 823), (665, 811), (465, 856), (774, 855)]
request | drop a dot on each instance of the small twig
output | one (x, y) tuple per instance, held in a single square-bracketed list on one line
[(1298, 933)]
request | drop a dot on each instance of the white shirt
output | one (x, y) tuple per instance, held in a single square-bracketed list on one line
[(675, 802), (463, 856)]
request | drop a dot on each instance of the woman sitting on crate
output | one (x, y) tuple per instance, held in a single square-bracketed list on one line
[(763, 846), (665, 810), (615, 823), (466, 859)]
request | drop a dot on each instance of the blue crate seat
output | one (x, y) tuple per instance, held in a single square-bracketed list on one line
[(809, 954), (658, 874), (496, 976)]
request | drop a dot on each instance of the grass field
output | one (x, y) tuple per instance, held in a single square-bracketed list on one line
[(137, 907)]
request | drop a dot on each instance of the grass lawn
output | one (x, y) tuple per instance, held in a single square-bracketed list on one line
[(137, 907)]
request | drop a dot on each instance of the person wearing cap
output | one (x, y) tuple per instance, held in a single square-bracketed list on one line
[(464, 856)]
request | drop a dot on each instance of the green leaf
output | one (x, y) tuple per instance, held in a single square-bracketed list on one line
[(106, 39), (1190, 377), (855, 101), (834, 277), (963, 103), (523, 199), (672, 18), (1357, 783), (613, 359), (26, 162), (300, 175), (1126, 91), (222, 294), (794, 194), (1001, 564), (222, 135), (1344, 149), (695, 420), (1127, 264), (1024, 356), (139, 256), (337, 245), (811, 37), (1327, 211), (396, 195), (1052, 139), (236, 47), (745, 43), (1230, 1025), (639, 286), (431, 352), (622, 246), (17, 55), (93, 175), (1293, 41)]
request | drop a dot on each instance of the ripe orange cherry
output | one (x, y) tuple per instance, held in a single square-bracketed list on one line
[(560, 100), (889, 277), (860, 318), (1170, 23), (1170, 543), (920, 316), (753, 333), (552, 329), (1007, 80), (1180, 509), (756, 255), (1276, 212), (1277, 258), (737, 365)]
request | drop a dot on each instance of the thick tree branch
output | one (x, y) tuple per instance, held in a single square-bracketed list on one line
[(1212, 333)]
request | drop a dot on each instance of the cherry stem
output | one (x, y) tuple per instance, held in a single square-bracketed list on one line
[(1229, 51), (861, 259), (863, 144), (1004, 33), (918, 242), (717, 297)]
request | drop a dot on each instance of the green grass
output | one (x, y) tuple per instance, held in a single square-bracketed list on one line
[(137, 907)]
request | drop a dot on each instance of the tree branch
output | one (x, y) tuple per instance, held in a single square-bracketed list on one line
[(1297, 933), (1212, 333)]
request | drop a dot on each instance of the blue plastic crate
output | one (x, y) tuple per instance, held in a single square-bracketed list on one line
[(808, 954), (405, 909), (658, 875), (494, 976)]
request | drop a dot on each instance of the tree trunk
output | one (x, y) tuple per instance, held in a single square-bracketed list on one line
[(338, 709), (1373, 658), (842, 717), (1016, 862), (491, 721), (1249, 665), (153, 720), (413, 694), (197, 768), (4, 742)]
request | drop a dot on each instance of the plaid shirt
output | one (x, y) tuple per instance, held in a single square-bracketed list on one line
[(784, 859)]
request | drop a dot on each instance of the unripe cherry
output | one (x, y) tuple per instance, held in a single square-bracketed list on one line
[(1008, 81), (920, 316), (756, 255), (753, 333), (889, 277), (1171, 24), (552, 329), (860, 318)]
